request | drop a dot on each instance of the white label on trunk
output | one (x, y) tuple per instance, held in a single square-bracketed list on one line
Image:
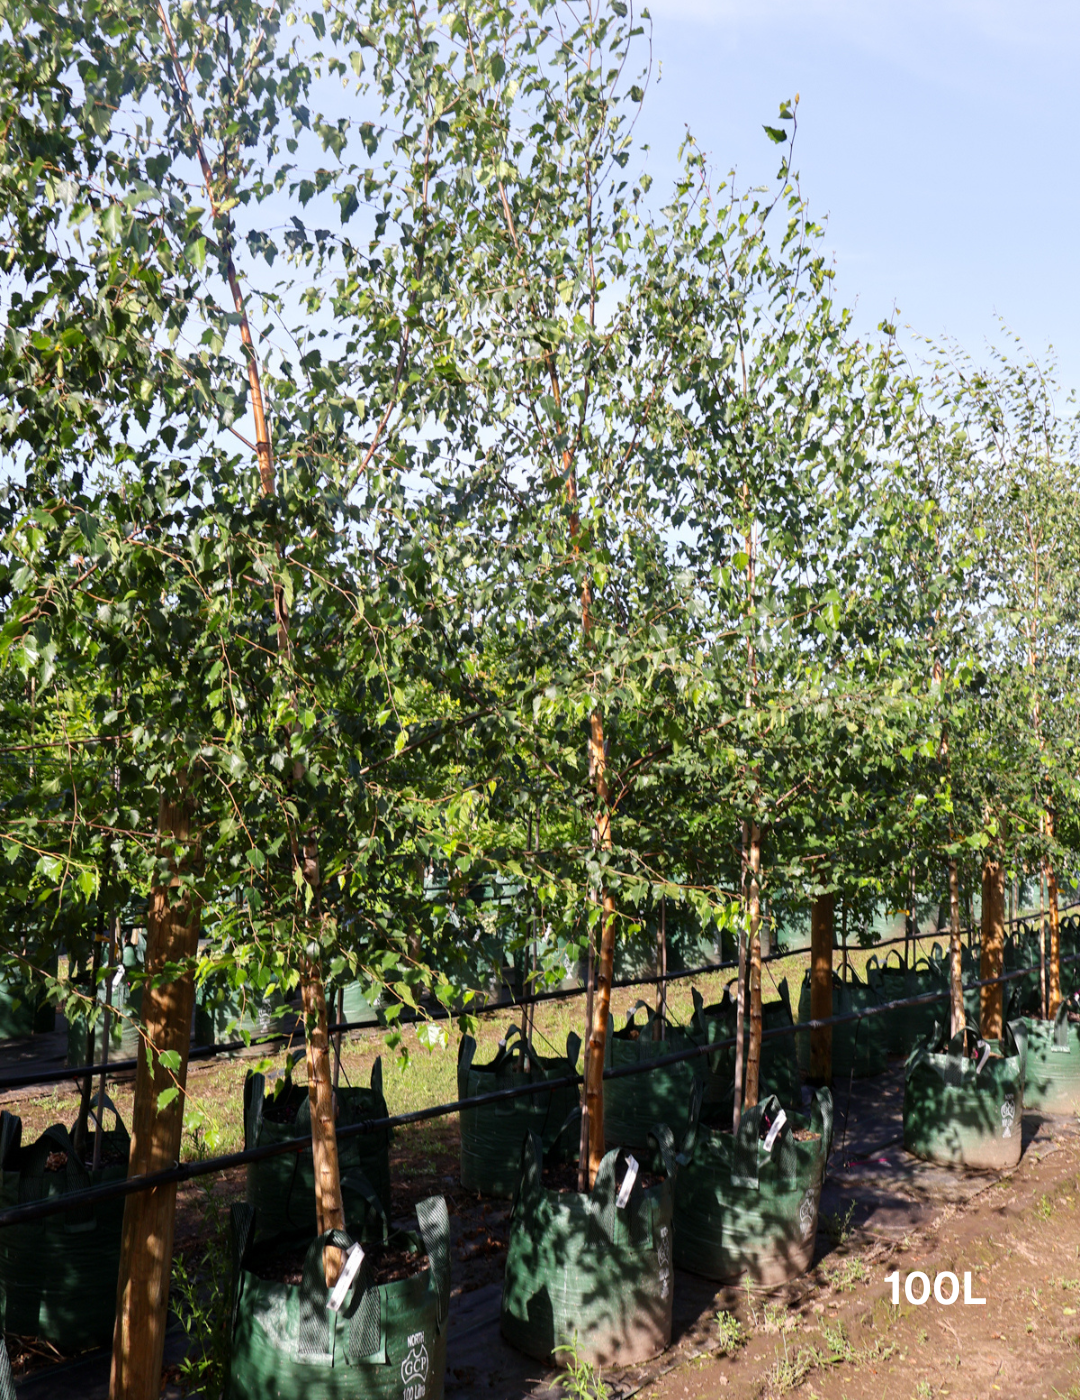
[(983, 1057), (622, 1199), (777, 1123), (351, 1268), (119, 977)]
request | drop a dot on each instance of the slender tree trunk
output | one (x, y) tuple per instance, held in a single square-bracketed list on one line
[(844, 964), (142, 1296), (956, 981), (821, 987), (590, 992), (1043, 930), (753, 1048), (79, 1141), (1053, 980), (660, 1020), (106, 1042), (991, 1000), (740, 1032)]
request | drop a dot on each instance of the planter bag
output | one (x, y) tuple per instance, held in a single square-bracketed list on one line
[(125, 1041), (634, 1103), (954, 1113), (1052, 1072), (1022, 951), (491, 1135), (224, 1013), (388, 1342), (58, 1275), (26, 1004), (7, 1382), (358, 1007), (581, 1266), (746, 1203), (779, 1072), (858, 1047), (282, 1189), (905, 1026)]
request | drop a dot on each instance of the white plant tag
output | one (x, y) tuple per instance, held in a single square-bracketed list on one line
[(623, 1198), (983, 1057), (351, 1268), (777, 1123), (1061, 1049), (119, 977)]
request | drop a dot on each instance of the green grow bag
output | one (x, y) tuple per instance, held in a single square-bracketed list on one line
[(956, 1114), (126, 1002), (858, 1047), (223, 1013), (358, 1007), (7, 1382), (26, 1005), (635, 1102), (491, 1135), (58, 1275), (282, 1189), (748, 1208), (779, 1073), (388, 1342), (1052, 1072), (583, 1270), (905, 1026)]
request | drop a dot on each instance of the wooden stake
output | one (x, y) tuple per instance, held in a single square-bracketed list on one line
[(147, 1238), (821, 988)]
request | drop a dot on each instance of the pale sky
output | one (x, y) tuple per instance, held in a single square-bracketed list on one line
[(937, 136)]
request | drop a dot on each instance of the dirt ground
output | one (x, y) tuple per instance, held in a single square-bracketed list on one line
[(837, 1335)]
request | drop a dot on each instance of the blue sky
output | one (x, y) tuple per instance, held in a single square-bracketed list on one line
[(937, 136)]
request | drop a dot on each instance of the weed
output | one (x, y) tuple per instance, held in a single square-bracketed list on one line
[(1045, 1209), (581, 1379), (846, 1274), (924, 1391), (837, 1225), (730, 1332), (840, 1349), (776, 1318), (200, 1299)]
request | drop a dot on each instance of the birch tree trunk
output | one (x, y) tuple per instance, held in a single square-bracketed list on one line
[(821, 987), (991, 964), (146, 1245), (956, 983), (753, 1049)]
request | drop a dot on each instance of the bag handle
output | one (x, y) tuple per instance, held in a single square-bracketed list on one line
[(315, 1341), (693, 1118), (434, 1222), (7, 1384), (822, 1119), (242, 1222), (254, 1102), (11, 1136), (631, 1015), (744, 1162), (1061, 1033), (376, 1077), (466, 1052), (664, 1138), (530, 1180), (901, 961), (573, 1049), (1018, 1030)]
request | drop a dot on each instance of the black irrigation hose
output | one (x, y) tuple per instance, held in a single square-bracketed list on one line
[(29, 1078), (187, 1171)]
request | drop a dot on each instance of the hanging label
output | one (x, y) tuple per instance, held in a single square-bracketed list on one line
[(351, 1268), (983, 1057), (1061, 1049), (777, 1123), (623, 1198), (118, 978)]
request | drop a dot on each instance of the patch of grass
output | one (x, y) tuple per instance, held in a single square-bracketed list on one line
[(776, 1318), (730, 1333), (1045, 1209), (845, 1275), (581, 1380)]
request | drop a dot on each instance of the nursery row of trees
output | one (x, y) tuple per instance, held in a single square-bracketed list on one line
[(397, 480)]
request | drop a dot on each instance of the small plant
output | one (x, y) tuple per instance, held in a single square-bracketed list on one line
[(840, 1349), (777, 1318), (1045, 1209), (581, 1380), (837, 1225), (731, 1334), (924, 1391), (846, 1274), (200, 1298)]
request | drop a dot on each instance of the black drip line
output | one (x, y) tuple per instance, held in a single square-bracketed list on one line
[(187, 1171)]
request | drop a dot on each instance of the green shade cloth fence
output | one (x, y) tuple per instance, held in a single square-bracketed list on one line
[(491, 1135), (1052, 1073), (58, 1275), (746, 1203), (388, 1341), (858, 1047), (583, 1270), (282, 1189), (955, 1112)]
